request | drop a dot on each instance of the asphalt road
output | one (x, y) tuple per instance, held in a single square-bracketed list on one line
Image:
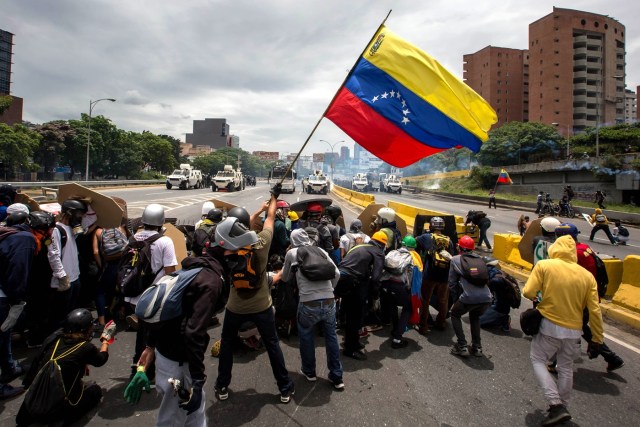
[(419, 385)]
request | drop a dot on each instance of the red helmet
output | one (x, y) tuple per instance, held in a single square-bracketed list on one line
[(467, 243), (282, 204), (314, 207)]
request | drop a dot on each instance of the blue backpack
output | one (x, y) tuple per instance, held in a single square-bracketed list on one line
[(162, 301)]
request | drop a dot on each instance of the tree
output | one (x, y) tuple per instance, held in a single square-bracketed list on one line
[(17, 144), (5, 103), (518, 142), (55, 135), (126, 155), (175, 145), (156, 152)]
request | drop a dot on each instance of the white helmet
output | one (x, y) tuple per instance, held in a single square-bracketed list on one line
[(206, 207), (386, 215), (549, 224)]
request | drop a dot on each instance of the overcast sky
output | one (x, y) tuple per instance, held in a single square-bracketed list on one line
[(269, 67)]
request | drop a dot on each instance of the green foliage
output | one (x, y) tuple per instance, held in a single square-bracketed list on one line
[(518, 142), (635, 164), (482, 176), (55, 135), (175, 148), (5, 103), (611, 139), (17, 145), (157, 151)]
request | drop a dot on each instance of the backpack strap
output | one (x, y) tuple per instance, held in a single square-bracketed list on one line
[(63, 236)]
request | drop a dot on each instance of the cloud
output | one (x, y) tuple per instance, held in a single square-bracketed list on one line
[(270, 68)]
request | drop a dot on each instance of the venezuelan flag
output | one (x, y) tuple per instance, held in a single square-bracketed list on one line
[(504, 177), (402, 105)]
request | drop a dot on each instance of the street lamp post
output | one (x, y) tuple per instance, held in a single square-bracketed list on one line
[(332, 160), (91, 105)]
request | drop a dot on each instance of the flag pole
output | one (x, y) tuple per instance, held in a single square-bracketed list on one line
[(334, 97)]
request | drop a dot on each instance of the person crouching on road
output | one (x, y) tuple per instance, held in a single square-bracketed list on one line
[(396, 290), (567, 289), (74, 351), (361, 266), (497, 316), (317, 306), (473, 299)]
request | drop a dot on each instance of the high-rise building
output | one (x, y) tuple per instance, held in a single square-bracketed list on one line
[(13, 114), (211, 132), (577, 69), (357, 149), (345, 154), (500, 76), (630, 106), (234, 141)]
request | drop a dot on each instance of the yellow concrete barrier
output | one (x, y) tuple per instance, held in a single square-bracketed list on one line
[(505, 249), (615, 268), (628, 293), (359, 199)]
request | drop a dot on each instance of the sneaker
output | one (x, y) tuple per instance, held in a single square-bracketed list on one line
[(7, 391), (373, 328), (338, 384), (310, 378), (358, 355), (222, 393), (18, 370), (286, 396), (557, 414), (460, 351), (476, 351), (616, 364), (132, 322), (401, 343)]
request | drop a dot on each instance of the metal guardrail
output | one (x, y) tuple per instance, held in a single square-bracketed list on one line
[(109, 183)]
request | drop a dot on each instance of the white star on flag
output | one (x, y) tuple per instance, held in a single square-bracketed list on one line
[(405, 120)]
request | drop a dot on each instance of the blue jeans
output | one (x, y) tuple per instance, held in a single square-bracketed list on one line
[(265, 321), (494, 319), (308, 317), (7, 364)]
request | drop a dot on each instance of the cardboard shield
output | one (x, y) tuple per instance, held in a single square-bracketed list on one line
[(222, 205), (301, 206), (534, 230), (179, 242), (369, 215), (26, 200), (108, 212), (587, 218)]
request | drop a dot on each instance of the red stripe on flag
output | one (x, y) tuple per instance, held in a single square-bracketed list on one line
[(375, 133)]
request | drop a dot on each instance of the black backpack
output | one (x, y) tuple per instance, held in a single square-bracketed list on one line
[(202, 239), (314, 265), (47, 392), (622, 231), (514, 294), (474, 269), (601, 275), (134, 270)]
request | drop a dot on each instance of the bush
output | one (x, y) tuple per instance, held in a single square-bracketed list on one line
[(483, 176)]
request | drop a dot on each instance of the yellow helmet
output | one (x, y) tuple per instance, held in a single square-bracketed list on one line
[(215, 349)]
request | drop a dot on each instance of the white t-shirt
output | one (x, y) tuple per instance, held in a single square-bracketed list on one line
[(346, 243), (547, 327), (163, 254)]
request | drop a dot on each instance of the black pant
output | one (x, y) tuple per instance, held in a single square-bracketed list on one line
[(354, 304), (605, 228), (395, 295), (266, 324), (475, 311), (492, 200), (608, 355)]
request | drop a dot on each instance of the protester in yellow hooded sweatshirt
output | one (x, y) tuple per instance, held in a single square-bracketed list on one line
[(600, 222), (567, 289)]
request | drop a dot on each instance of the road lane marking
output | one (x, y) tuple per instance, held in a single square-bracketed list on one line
[(259, 197), (622, 343)]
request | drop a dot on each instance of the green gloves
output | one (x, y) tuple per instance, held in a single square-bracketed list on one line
[(134, 390)]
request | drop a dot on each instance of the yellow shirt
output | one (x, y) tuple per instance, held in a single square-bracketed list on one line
[(567, 289)]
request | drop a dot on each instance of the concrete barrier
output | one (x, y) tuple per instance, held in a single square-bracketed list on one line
[(628, 293), (505, 249), (615, 268), (359, 199)]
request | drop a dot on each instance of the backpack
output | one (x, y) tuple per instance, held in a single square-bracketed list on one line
[(396, 262), (314, 265), (113, 243), (243, 269), (474, 270), (514, 295), (600, 218), (440, 243), (325, 239), (202, 238), (285, 299), (602, 277), (162, 301), (622, 231), (134, 270), (63, 236), (47, 392), (312, 232)]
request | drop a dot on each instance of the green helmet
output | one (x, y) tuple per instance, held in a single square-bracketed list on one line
[(409, 241)]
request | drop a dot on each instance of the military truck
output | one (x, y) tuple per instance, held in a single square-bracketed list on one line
[(391, 184), (228, 179), (185, 178), (277, 174), (317, 183), (360, 182)]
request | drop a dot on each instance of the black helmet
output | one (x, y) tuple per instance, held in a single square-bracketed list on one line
[(214, 215), (333, 211), (41, 220), (79, 320), (8, 190), (72, 205), (242, 215), (17, 218)]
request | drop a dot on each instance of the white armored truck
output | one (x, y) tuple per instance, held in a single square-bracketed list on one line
[(228, 179), (185, 178), (318, 183), (391, 184), (360, 182)]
